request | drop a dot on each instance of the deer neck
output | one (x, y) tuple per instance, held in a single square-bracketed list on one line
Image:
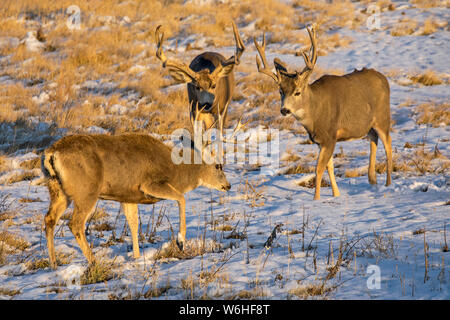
[(187, 177), (307, 109)]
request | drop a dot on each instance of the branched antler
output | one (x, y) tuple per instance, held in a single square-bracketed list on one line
[(261, 50), (171, 65), (240, 48), (310, 60)]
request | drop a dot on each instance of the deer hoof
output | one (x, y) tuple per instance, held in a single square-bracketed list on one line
[(180, 242)]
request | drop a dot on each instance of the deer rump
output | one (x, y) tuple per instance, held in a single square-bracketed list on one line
[(107, 167)]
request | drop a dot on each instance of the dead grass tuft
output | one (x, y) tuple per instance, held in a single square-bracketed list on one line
[(192, 248), (433, 114), (14, 241), (100, 271), (429, 78), (310, 290)]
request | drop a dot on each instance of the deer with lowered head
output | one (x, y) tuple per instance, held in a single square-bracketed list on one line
[(334, 108), (130, 169), (209, 78)]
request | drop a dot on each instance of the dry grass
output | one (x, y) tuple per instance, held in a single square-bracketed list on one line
[(430, 3), (192, 248), (9, 292), (433, 114), (404, 27), (13, 241), (100, 271), (429, 27), (310, 290), (428, 78)]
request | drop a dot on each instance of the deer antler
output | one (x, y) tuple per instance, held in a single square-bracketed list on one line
[(310, 60), (240, 48), (236, 129), (172, 65), (261, 50)]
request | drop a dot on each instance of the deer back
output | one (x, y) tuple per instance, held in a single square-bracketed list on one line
[(111, 167)]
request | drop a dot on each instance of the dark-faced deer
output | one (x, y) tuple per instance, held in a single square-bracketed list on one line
[(129, 168), (209, 78), (334, 108)]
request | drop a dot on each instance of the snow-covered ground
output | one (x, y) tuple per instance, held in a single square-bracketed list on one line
[(322, 249)]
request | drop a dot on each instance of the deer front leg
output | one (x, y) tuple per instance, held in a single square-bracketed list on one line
[(324, 157), (131, 213), (167, 191), (330, 169)]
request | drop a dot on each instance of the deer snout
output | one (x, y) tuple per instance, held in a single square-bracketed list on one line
[(285, 111), (226, 187)]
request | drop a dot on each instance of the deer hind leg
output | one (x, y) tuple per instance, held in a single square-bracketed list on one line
[(387, 142), (131, 213), (81, 213), (167, 191), (330, 169), (324, 157), (58, 204), (373, 136)]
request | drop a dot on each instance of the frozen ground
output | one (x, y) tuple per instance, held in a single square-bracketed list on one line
[(400, 228)]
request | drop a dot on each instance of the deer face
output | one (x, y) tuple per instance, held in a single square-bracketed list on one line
[(205, 86), (213, 177), (294, 95), (294, 89), (204, 82)]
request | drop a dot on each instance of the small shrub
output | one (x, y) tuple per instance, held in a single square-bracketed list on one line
[(429, 78), (100, 271)]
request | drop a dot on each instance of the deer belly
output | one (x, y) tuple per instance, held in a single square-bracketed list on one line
[(349, 135), (126, 194)]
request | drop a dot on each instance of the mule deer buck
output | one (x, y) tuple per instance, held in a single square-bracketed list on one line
[(334, 108), (129, 168), (209, 78)]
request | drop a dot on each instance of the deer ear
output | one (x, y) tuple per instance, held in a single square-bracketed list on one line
[(223, 71), (180, 76), (279, 65), (282, 70)]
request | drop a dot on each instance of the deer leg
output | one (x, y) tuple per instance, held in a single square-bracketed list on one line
[(330, 169), (58, 204), (166, 191), (131, 213), (83, 210), (387, 142), (324, 157), (373, 136)]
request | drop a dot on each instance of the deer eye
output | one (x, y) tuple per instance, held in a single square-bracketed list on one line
[(297, 93), (213, 86), (281, 92), (218, 166)]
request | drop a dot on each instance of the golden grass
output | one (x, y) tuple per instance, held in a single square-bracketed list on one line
[(192, 249), (14, 241), (310, 290), (430, 3), (404, 27), (429, 27), (429, 78), (100, 271), (433, 114)]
